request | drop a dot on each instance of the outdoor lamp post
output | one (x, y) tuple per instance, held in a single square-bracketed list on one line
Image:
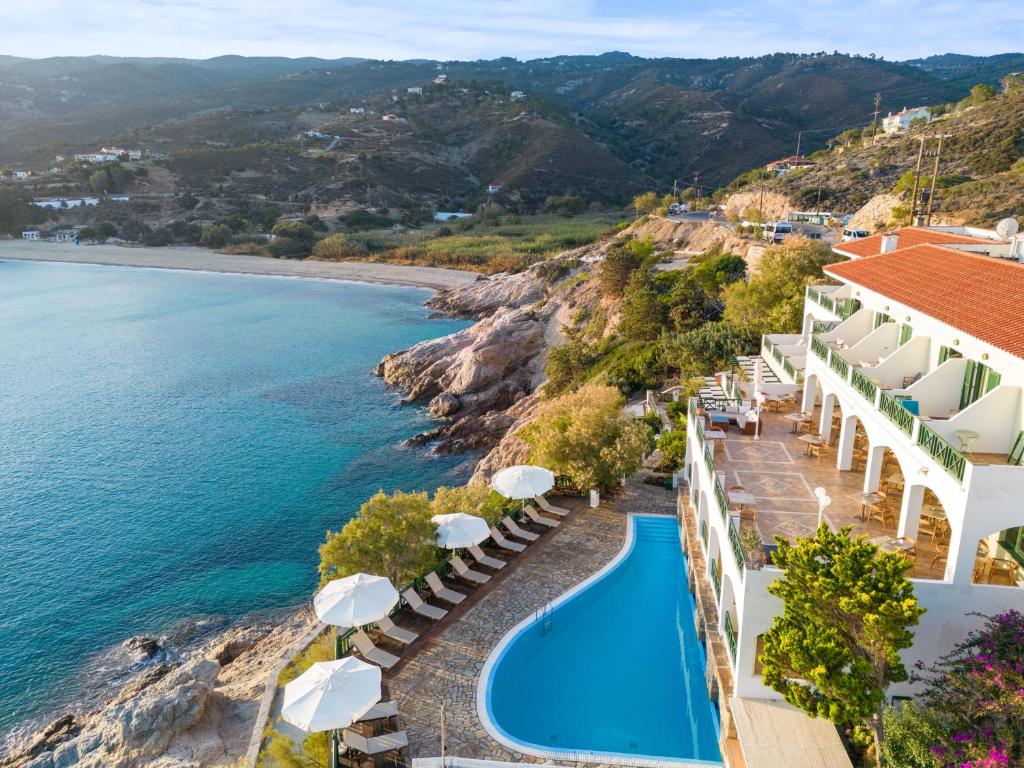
[(823, 502)]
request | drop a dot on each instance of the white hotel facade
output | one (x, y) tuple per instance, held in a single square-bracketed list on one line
[(910, 362)]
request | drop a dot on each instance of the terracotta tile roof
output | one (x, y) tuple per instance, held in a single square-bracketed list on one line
[(909, 237), (979, 295)]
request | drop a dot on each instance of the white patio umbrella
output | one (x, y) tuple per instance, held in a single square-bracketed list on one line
[(331, 694), (460, 530), (355, 600), (523, 481)]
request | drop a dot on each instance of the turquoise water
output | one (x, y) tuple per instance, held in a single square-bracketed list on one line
[(616, 669), (174, 445)]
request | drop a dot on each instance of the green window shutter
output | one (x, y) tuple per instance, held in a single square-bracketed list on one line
[(905, 333), (1017, 452), (993, 381)]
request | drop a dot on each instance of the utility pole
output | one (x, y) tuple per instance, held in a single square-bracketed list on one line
[(917, 179), (760, 203), (696, 186), (874, 115), (935, 176), (675, 190), (799, 136)]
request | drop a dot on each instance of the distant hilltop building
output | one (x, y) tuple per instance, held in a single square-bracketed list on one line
[(97, 157), (131, 154), (316, 135), (493, 189), (902, 120), (31, 234), (389, 118), (57, 203), (787, 164), (446, 215), (357, 110), (517, 95), (414, 90), (441, 79)]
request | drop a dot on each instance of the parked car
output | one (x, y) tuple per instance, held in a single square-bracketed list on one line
[(854, 234)]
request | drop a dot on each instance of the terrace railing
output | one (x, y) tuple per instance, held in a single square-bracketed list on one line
[(896, 413), (716, 579), (730, 636), (823, 326), (720, 497), (826, 302), (704, 533), (846, 307), (839, 365), (939, 449), (864, 385), (737, 547), (820, 348)]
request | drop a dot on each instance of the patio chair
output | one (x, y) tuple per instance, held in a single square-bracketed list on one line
[(423, 609), (388, 628), (374, 745), (881, 512), (442, 592), (463, 570), (485, 559), (512, 527), (501, 541), (547, 506), (538, 518), (371, 652), (380, 710)]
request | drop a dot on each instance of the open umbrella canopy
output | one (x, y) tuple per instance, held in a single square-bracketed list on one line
[(331, 694), (523, 481), (355, 600), (460, 530)]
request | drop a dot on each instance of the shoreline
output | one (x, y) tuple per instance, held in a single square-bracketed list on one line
[(204, 260)]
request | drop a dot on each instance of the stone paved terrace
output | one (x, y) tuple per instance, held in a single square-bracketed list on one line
[(443, 668)]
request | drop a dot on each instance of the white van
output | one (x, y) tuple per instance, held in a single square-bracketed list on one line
[(854, 234)]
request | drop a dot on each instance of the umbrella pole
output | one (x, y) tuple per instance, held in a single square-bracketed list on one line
[(334, 749), (442, 737)]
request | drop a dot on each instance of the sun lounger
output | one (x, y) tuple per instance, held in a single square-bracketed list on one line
[(463, 570), (380, 710), (547, 506), (534, 515), (486, 560), (389, 629), (371, 652), (442, 592), (423, 609), (374, 745), (498, 538), (518, 532)]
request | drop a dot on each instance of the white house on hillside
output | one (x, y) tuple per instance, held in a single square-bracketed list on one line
[(901, 120), (414, 90)]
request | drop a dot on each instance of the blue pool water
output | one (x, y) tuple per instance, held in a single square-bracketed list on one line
[(617, 668), (174, 445)]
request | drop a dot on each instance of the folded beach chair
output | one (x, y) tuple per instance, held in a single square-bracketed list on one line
[(442, 592), (516, 531), (463, 570), (388, 628), (534, 515), (423, 609), (485, 559), (547, 506), (380, 710), (371, 652), (374, 745), (498, 538)]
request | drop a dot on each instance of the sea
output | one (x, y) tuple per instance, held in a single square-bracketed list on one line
[(173, 447)]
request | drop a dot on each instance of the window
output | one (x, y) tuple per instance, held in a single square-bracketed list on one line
[(881, 317), (945, 353), (758, 650), (905, 333), (979, 380)]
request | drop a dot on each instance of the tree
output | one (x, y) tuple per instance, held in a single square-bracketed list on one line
[(673, 447), (473, 499), (642, 312), (847, 610), (911, 731), (645, 203), (772, 301), (709, 348), (566, 364), (615, 269), (981, 93), (587, 436), (215, 236), (390, 536), (315, 752)]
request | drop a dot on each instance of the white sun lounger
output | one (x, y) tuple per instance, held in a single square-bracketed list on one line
[(380, 710), (423, 609), (547, 506), (534, 515), (463, 570), (498, 538), (389, 629), (518, 532), (371, 652), (485, 559), (374, 745), (442, 592)]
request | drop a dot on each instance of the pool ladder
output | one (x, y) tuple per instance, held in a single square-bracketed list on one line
[(544, 614)]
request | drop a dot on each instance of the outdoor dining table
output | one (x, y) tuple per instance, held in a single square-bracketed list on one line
[(811, 441), (714, 435), (742, 499), (865, 500), (798, 419), (967, 438), (889, 544), (935, 513)]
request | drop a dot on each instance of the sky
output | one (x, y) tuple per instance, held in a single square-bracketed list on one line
[(524, 29)]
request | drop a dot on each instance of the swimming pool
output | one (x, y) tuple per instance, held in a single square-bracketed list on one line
[(614, 669)]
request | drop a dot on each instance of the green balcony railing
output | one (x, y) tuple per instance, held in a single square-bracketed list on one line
[(813, 294), (939, 449), (704, 532), (820, 348), (839, 365), (723, 504), (864, 385), (788, 367), (699, 429), (823, 326), (716, 579), (846, 307), (708, 461), (730, 636), (896, 413), (777, 354), (827, 302), (737, 548)]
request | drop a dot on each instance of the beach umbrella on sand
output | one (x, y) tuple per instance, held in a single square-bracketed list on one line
[(523, 481), (331, 694), (355, 600), (460, 530)]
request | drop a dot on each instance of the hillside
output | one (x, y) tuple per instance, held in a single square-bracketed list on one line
[(981, 172)]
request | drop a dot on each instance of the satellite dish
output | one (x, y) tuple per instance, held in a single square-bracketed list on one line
[(1007, 228)]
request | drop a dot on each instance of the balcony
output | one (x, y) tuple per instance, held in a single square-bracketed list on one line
[(834, 299), (786, 355)]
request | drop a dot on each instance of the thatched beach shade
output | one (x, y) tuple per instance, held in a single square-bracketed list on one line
[(460, 530), (355, 600), (523, 481), (331, 694)]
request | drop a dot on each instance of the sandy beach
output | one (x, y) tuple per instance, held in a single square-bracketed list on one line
[(201, 259)]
